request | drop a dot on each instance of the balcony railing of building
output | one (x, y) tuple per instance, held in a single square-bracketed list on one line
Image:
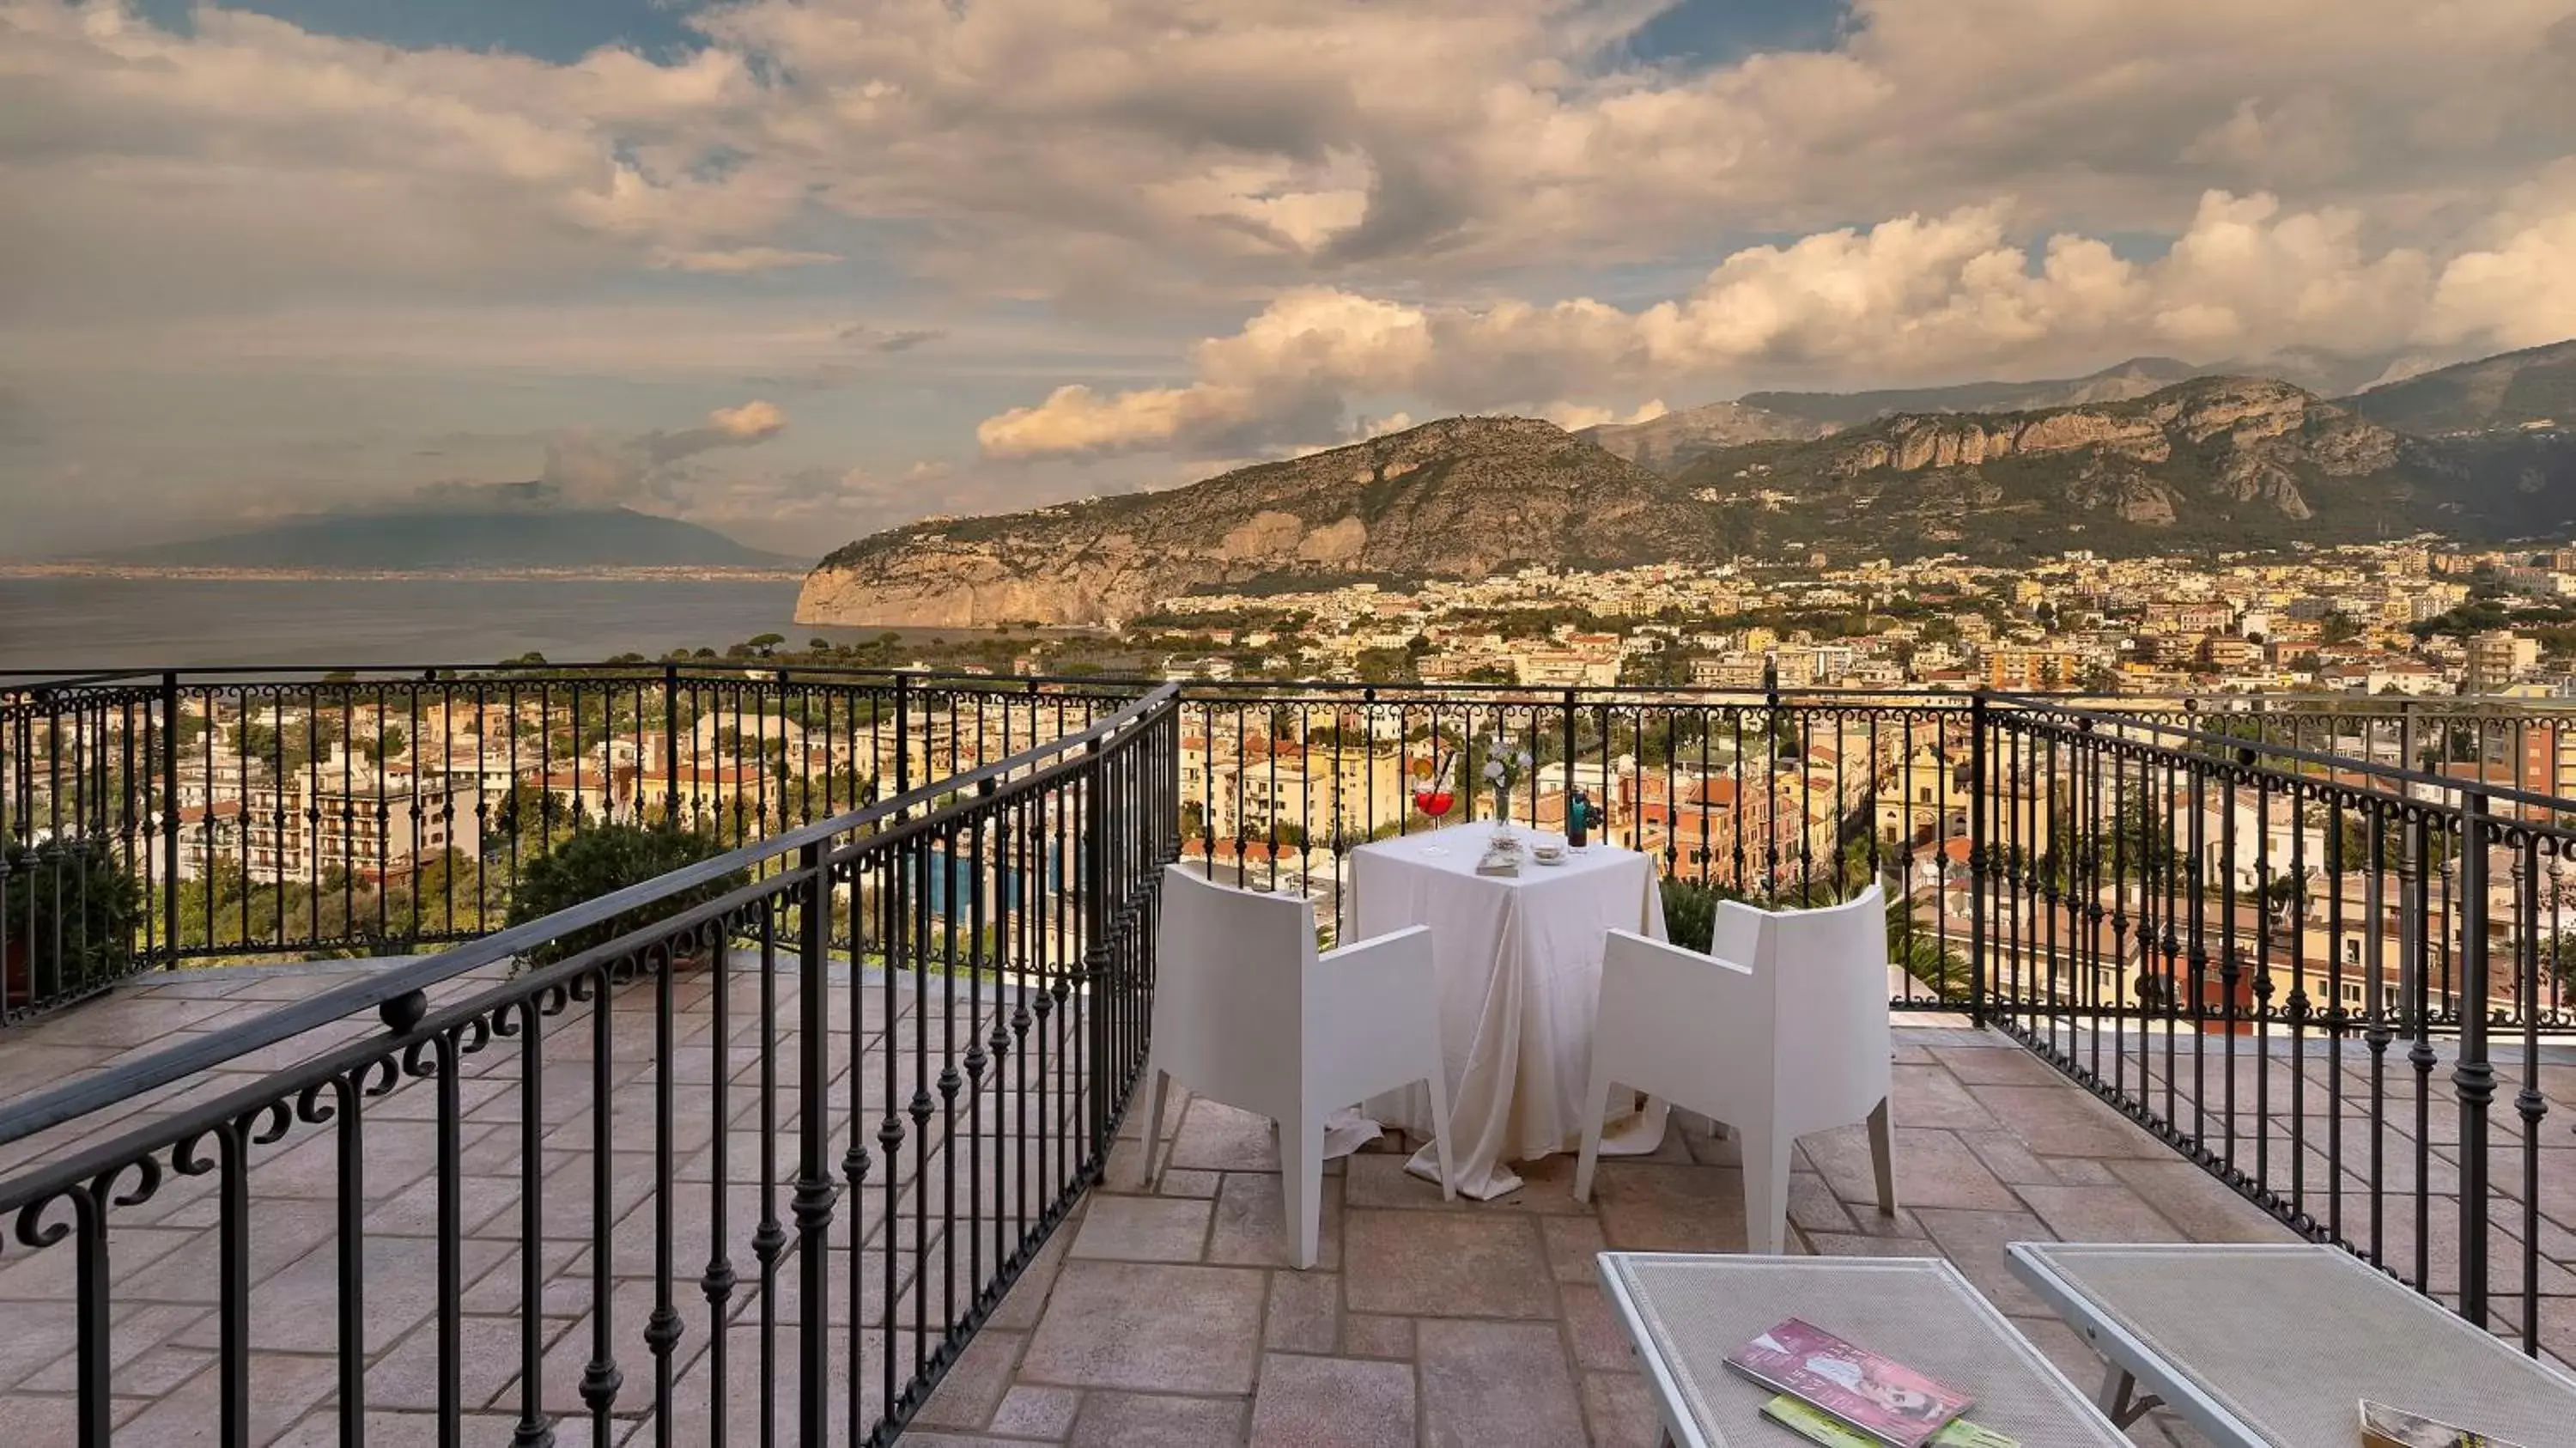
[(2314, 945)]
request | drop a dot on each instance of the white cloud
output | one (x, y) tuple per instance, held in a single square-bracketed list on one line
[(586, 467), (252, 160), (1370, 181), (749, 422), (1083, 150), (2518, 289), (741, 260), (1575, 416), (1055, 146), (1920, 298)]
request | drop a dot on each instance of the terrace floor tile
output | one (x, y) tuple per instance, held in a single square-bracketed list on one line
[(1146, 1319)]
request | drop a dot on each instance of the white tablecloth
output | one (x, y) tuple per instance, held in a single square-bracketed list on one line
[(1519, 963)]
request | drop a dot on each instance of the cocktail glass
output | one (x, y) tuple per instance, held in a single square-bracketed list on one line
[(1434, 799)]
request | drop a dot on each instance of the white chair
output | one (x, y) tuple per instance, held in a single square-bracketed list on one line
[(1248, 1014), (1780, 1030)]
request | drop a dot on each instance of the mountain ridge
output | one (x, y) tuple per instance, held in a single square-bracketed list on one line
[(2530, 386), (452, 532), (1676, 438), (1672, 441), (2135, 377), (1461, 497), (2209, 461), (2212, 460)]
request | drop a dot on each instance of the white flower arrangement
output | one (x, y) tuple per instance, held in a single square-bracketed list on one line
[(1504, 768)]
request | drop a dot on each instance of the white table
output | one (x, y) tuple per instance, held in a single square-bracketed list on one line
[(1519, 963), (1686, 1312), (2274, 1345)]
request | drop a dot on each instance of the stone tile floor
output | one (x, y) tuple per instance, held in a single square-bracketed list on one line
[(1161, 1318), (1169, 1318)]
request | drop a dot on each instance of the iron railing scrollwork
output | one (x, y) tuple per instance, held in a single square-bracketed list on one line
[(937, 999)]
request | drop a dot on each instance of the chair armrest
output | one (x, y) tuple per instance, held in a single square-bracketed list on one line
[(1376, 953), (1628, 951)]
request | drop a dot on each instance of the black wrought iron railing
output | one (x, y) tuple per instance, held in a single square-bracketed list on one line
[(277, 814), (2228, 936), (755, 1169), (269, 814), (2317, 945)]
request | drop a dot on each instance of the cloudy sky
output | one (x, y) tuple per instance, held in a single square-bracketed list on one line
[(802, 268)]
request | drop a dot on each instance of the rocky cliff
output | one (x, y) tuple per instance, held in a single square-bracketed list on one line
[(1460, 498), (2218, 459)]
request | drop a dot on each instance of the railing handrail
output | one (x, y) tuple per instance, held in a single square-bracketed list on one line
[(468, 673), (53, 1176), (2342, 763), (44, 679), (76, 1099), (2212, 704)]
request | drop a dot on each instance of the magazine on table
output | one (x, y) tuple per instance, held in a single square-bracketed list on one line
[(1889, 1401)]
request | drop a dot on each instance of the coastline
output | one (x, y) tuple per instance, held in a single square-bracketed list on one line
[(72, 568)]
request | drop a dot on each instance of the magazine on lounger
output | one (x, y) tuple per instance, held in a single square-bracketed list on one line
[(1885, 1399)]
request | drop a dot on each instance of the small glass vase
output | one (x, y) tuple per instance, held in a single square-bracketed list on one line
[(1503, 835)]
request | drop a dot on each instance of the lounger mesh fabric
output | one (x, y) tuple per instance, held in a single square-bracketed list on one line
[(2291, 1338), (1921, 1312)]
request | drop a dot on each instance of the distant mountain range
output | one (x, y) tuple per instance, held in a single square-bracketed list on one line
[(505, 526), (1676, 438), (2131, 459), (2534, 387)]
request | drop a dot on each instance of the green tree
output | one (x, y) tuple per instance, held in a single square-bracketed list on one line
[(1385, 666), (2138, 844), (1664, 668), (289, 745), (2286, 893), (603, 860)]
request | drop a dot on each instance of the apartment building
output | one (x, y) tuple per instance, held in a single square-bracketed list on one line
[(2022, 670), (2497, 657), (323, 819)]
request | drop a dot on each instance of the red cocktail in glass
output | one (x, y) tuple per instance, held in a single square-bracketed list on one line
[(1431, 790)]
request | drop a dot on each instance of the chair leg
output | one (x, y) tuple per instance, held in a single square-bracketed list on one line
[(1596, 1109), (1157, 1081), (1440, 1131), (1882, 1157), (1766, 1189), (1301, 1181)]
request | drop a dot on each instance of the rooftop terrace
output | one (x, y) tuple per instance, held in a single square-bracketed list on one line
[(2160, 977), (1146, 1319)]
